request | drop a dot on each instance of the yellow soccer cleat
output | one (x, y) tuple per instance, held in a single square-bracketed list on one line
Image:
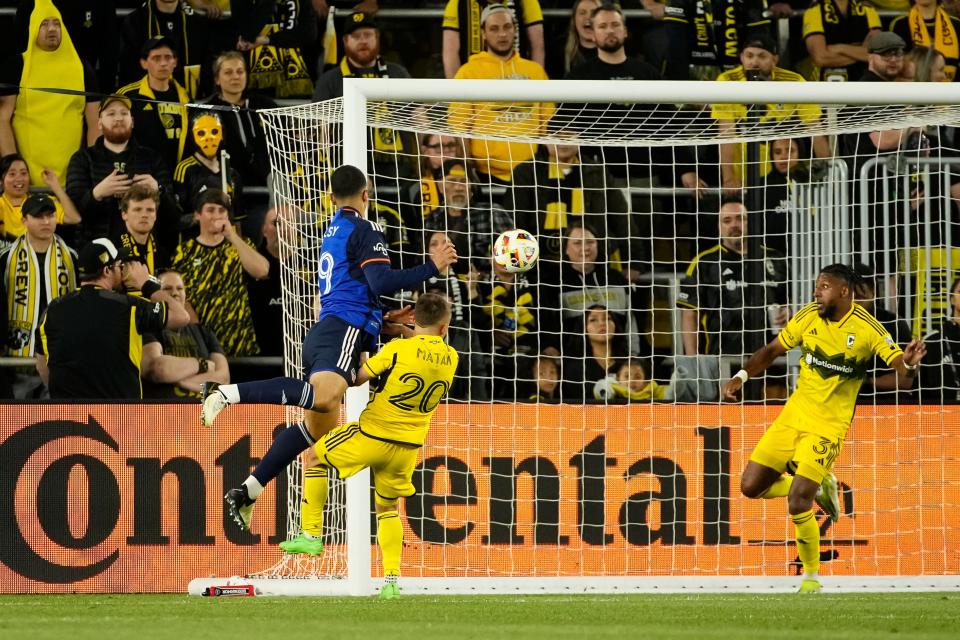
[(828, 497), (809, 586)]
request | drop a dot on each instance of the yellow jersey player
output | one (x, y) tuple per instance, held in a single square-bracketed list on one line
[(838, 340), (409, 377)]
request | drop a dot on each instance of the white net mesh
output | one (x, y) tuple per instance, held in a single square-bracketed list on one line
[(583, 435)]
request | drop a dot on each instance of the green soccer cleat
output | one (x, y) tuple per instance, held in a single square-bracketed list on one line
[(390, 591), (303, 544), (809, 586), (828, 497)]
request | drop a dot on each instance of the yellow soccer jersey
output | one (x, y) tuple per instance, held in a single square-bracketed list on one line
[(414, 374), (835, 358)]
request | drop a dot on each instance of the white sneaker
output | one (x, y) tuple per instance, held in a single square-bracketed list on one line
[(213, 403)]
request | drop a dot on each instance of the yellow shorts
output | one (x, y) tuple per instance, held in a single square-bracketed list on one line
[(349, 450), (786, 448)]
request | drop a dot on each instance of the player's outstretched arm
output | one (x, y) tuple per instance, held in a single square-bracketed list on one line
[(907, 365), (383, 280), (761, 359)]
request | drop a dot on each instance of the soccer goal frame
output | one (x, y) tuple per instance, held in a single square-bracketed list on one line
[(359, 93)]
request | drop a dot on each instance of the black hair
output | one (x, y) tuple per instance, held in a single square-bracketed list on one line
[(618, 341), (644, 362), (843, 272), (584, 226), (347, 181), (212, 196), (7, 161)]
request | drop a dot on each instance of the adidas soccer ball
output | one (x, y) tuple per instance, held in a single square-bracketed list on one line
[(516, 250)]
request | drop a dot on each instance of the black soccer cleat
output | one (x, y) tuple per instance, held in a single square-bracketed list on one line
[(240, 506)]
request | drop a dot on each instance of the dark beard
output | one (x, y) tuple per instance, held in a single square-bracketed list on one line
[(610, 48), (117, 137)]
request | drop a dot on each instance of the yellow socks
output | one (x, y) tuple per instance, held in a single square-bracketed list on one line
[(779, 489), (390, 539), (808, 542), (314, 499)]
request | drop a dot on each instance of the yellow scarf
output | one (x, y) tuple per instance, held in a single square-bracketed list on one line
[(36, 112), (517, 318), (429, 195), (22, 279), (164, 107), (191, 72), (145, 253), (556, 217), (281, 69), (944, 38), (651, 391), (329, 55)]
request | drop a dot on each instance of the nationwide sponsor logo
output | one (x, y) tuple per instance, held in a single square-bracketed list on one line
[(829, 366)]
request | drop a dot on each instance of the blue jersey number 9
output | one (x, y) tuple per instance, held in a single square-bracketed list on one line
[(325, 272)]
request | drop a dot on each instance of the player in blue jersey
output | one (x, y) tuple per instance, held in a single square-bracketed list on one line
[(353, 272)]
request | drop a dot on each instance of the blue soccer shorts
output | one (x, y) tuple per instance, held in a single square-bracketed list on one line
[(334, 345)]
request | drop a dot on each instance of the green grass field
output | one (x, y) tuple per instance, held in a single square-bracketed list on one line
[(837, 617)]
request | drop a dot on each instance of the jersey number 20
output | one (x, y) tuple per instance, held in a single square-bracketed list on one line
[(407, 400)]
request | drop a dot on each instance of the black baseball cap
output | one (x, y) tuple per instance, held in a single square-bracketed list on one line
[(38, 204), (761, 41), (98, 254), (156, 43), (358, 20)]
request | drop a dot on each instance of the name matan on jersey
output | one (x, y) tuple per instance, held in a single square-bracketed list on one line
[(434, 358)]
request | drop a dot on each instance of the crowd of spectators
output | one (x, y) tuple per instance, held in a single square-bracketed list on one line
[(152, 143)]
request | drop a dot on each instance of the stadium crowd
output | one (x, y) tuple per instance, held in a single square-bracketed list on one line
[(113, 153)]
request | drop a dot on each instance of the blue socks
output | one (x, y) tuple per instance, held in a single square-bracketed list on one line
[(291, 442), (283, 391)]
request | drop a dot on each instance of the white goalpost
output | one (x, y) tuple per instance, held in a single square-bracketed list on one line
[(600, 485)]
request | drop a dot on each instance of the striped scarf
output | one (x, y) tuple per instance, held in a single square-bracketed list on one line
[(566, 196), (22, 279), (944, 37), (282, 69), (145, 253)]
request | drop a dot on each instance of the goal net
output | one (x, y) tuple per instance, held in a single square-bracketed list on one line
[(584, 443)]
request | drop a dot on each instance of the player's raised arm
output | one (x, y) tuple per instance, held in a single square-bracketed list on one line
[(761, 359)]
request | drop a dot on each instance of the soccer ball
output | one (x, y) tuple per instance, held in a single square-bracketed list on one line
[(516, 250)]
